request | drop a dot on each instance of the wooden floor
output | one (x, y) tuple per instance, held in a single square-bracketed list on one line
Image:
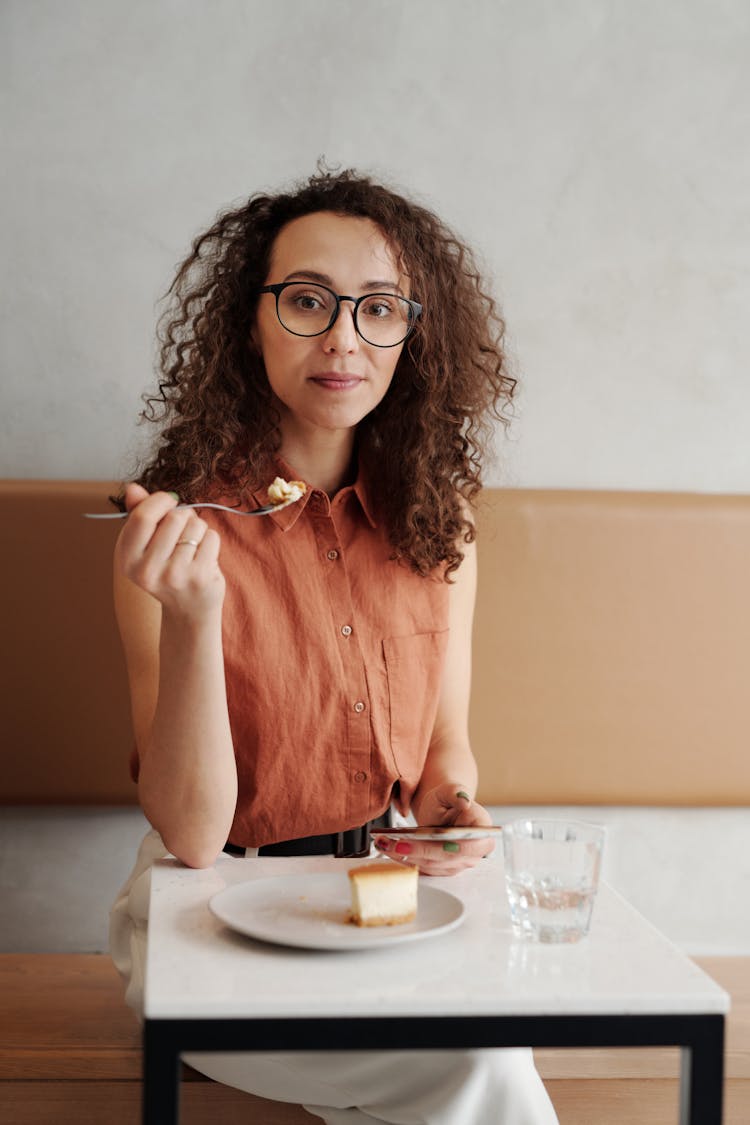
[(70, 1053)]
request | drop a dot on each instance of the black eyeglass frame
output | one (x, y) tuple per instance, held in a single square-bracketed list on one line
[(279, 287)]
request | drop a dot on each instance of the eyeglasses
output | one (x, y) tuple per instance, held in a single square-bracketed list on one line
[(307, 309)]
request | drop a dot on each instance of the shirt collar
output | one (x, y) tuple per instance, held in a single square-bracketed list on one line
[(285, 518), (362, 493)]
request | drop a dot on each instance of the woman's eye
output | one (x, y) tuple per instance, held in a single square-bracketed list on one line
[(378, 308), (308, 303)]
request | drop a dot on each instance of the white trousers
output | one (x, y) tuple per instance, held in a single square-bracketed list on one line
[(489, 1087), (459, 1087)]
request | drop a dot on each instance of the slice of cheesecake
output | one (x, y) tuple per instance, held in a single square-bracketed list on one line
[(383, 894)]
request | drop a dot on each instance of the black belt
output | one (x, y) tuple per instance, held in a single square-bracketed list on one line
[(352, 843)]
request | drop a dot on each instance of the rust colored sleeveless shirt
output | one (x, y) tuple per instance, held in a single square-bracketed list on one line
[(334, 655)]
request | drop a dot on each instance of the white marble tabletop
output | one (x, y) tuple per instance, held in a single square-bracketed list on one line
[(198, 968)]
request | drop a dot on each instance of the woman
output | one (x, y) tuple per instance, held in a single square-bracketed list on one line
[(293, 676)]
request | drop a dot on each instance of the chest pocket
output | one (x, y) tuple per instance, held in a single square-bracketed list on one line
[(414, 670)]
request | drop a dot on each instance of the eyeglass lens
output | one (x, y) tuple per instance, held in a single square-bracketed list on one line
[(383, 319)]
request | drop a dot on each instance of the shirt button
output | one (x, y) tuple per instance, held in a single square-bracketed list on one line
[(359, 706), (360, 775), (332, 555), (346, 630)]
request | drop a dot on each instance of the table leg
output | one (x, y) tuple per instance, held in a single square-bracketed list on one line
[(702, 1050), (161, 1077), (702, 1074)]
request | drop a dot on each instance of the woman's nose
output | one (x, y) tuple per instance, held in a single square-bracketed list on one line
[(342, 335)]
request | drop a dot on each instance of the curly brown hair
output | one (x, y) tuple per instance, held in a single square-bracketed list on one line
[(422, 446)]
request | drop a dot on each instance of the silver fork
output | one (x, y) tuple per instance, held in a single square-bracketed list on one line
[(264, 511)]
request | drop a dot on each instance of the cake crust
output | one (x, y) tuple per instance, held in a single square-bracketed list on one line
[(377, 920)]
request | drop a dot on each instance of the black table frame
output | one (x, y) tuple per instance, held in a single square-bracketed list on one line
[(700, 1037)]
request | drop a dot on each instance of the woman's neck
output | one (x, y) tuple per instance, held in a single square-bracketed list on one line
[(325, 459)]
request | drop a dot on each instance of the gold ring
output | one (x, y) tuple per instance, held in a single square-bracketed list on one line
[(188, 543)]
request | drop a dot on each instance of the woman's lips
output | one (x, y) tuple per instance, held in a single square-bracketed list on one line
[(334, 381)]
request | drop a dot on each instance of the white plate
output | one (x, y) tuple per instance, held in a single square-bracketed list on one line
[(450, 832), (312, 911)]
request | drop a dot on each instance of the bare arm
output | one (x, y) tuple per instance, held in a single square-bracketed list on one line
[(446, 790), (168, 602), (450, 758)]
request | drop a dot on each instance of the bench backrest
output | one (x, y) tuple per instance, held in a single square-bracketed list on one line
[(611, 654), (612, 648)]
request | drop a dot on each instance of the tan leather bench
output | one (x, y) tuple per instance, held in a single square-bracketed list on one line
[(612, 642), (612, 646)]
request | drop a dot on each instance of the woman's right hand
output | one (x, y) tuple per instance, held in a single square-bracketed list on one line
[(168, 601), (154, 552)]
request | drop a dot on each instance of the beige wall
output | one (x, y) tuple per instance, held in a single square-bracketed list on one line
[(595, 151)]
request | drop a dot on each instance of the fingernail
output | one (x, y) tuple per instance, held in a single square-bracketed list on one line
[(465, 796), (451, 846), (402, 848), (382, 845), (174, 495)]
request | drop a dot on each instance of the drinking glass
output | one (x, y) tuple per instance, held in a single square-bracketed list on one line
[(551, 877)]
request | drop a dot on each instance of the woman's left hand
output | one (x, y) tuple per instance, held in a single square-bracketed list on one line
[(442, 806)]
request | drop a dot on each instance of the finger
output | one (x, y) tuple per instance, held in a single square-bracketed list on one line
[(466, 849), (456, 856), (144, 518), (404, 851), (189, 540), (473, 814), (178, 524), (434, 852), (469, 812), (443, 871), (448, 864), (150, 555), (176, 541), (204, 559), (455, 801), (469, 849), (134, 494), (207, 556)]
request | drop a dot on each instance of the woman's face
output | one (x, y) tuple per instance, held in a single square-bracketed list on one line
[(328, 382)]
